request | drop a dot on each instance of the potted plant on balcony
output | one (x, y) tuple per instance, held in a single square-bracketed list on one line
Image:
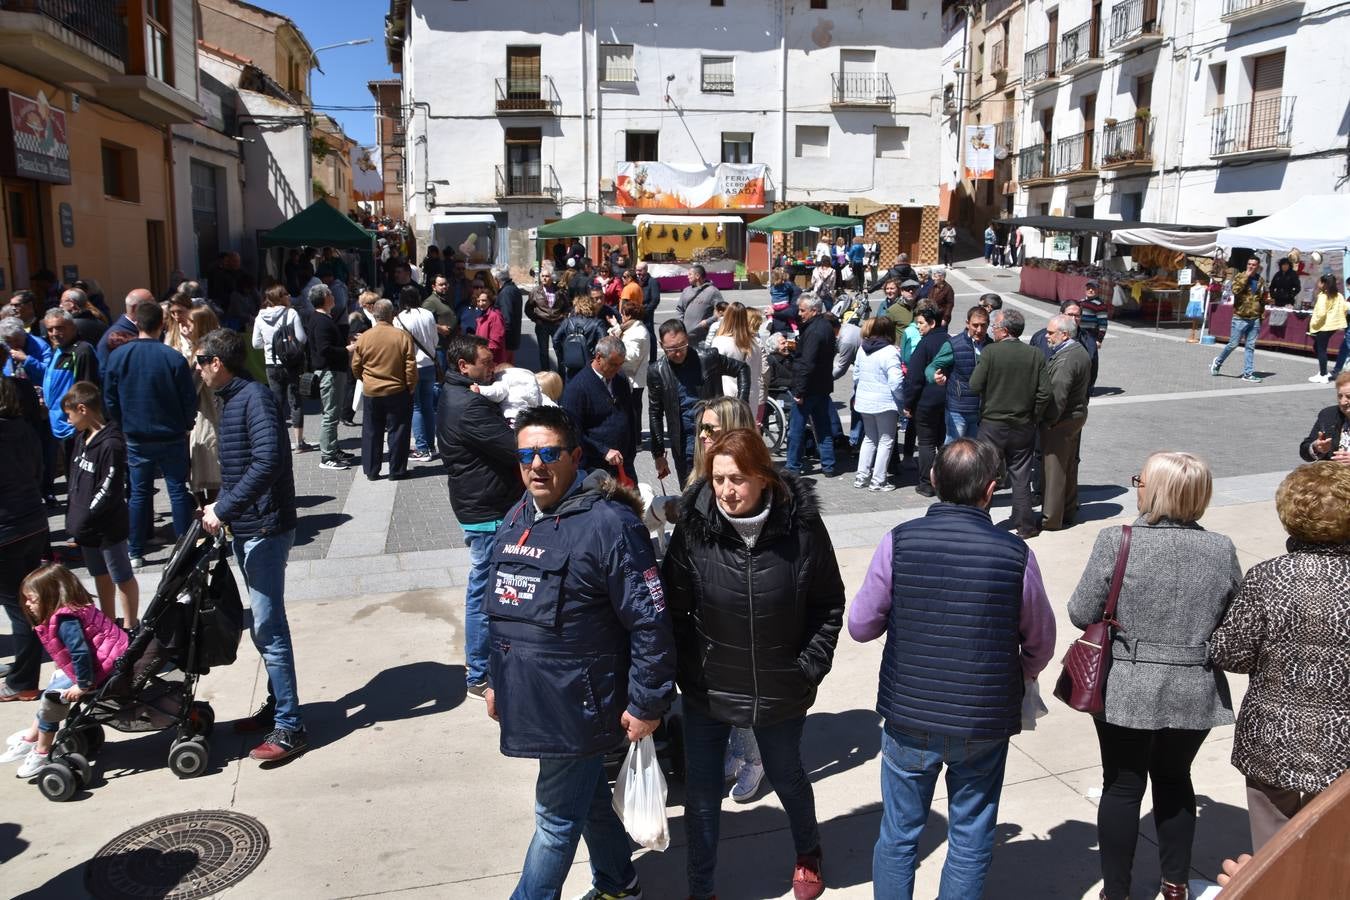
[(1142, 112), (1110, 122)]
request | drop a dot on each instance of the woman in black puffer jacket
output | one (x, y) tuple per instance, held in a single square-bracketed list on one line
[(757, 603)]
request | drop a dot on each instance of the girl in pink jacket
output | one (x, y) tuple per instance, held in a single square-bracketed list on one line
[(81, 640)]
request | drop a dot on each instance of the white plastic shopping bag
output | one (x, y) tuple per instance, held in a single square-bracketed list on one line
[(640, 796), (1033, 707)]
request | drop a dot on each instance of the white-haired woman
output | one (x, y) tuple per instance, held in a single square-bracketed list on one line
[(1162, 696)]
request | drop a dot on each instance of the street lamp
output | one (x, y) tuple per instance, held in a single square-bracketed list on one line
[(314, 54)]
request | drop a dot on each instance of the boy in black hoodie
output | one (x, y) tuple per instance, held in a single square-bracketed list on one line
[(96, 516)]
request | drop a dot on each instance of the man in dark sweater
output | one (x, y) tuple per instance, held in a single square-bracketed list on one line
[(812, 383), (257, 501), (651, 299), (126, 324), (511, 302), (328, 357), (148, 391), (600, 404), (1014, 388)]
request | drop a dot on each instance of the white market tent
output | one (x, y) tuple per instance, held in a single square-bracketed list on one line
[(1194, 243), (1316, 222)]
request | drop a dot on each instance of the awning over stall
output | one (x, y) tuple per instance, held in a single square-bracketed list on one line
[(1315, 222)]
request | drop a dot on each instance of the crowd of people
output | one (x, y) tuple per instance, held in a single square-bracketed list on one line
[(591, 598)]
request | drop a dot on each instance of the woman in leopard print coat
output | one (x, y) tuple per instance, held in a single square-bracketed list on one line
[(1289, 629)]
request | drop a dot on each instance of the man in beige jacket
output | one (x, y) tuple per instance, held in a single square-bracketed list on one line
[(384, 360)]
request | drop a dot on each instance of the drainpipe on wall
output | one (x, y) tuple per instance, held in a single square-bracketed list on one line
[(1182, 67), (782, 114), (171, 219), (585, 110)]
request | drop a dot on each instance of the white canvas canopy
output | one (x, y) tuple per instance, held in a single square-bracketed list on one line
[(1195, 243), (1316, 222)]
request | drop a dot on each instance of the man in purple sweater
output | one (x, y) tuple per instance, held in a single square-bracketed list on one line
[(967, 624)]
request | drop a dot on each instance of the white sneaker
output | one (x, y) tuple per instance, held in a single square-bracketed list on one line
[(747, 783), (1319, 379), (16, 737), (17, 751), (32, 763)]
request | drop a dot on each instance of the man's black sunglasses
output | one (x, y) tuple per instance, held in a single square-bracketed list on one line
[(203, 359), (549, 455)]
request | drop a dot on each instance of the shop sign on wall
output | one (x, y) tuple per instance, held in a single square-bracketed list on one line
[(33, 139)]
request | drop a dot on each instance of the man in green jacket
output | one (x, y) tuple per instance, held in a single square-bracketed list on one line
[(1014, 387), (1249, 306), (1070, 372)]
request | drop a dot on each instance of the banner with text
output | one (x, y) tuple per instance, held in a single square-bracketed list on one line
[(654, 185), (980, 152)]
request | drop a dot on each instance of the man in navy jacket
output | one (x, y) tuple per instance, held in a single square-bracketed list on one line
[(257, 501), (148, 391), (583, 655), (600, 402)]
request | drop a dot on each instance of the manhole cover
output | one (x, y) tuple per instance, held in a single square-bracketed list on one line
[(178, 857)]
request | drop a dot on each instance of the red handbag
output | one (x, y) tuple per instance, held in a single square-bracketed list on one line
[(1082, 684)]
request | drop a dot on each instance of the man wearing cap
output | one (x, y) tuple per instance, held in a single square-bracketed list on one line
[(901, 309)]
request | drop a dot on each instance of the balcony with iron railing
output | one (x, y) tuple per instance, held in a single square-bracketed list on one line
[(1134, 24), (1038, 68), (1074, 156), (1033, 164), (97, 21), (998, 58), (1235, 10), (1260, 128), (863, 89), (1127, 144), (1079, 50), (533, 96), (527, 182), (64, 41)]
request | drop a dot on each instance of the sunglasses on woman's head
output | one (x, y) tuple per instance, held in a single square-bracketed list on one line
[(549, 455)]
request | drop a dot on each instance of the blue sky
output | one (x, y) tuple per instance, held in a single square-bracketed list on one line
[(346, 69)]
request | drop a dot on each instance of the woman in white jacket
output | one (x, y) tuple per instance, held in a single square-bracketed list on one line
[(736, 339), (636, 340), (283, 380), (877, 381)]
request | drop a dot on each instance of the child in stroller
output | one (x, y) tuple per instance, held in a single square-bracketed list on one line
[(83, 642), (146, 683)]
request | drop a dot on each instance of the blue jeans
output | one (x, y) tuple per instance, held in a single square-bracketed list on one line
[(817, 408), (262, 559), (143, 458), (780, 749), (424, 409), (911, 762), (476, 642), (1248, 329), (572, 800), (961, 425)]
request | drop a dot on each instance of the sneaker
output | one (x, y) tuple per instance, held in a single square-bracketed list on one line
[(16, 737), (336, 463), (806, 881), (18, 750), (923, 491), (138, 562), (32, 764), (478, 689), (731, 766), (1252, 377), (860, 483), (280, 744), (420, 455), (262, 720), (747, 783), (1319, 379), (885, 488), (303, 447), (1214, 366), (632, 892), (9, 695), (349, 457), (350, 423)]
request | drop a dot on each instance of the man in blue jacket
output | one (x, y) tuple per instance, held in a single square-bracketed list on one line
[(148, 391), (582, 650), (963, 405), (600, 401), (257, 501)]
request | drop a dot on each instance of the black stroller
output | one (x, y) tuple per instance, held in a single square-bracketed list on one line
[(191, 625)]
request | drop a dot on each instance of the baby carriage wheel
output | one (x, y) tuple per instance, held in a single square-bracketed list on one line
[(80, 766), (774, 428), (201, 718), (187, 759), (57, 782)]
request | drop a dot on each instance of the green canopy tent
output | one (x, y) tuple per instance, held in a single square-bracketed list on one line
[(582, 225), (801, 218), (320, 225)]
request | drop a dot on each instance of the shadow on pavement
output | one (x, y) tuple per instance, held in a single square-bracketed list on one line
[(168, 868), (1063, 863), (307, 528), (836, 742), (403, 692), (11, 845)]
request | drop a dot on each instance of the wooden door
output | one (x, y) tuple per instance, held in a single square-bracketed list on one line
[(1089, 128), (1095, 39), (1052, 46), (25, 233), (1267, 86)]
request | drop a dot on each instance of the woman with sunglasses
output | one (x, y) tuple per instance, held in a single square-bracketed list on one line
[(756, 602), (1162, 697)]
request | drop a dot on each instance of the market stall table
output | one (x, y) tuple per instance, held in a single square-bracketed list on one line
[(1292, 334)]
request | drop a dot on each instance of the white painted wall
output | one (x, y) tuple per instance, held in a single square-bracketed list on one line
[(454, 52), (201, 143)]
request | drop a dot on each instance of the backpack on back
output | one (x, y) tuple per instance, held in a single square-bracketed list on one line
[(575, 352), (286, 347)]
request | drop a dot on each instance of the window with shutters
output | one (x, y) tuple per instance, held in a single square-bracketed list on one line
[(1269, 127), (1143, 92), (522, 73), (616, 64), (523, 163), (157, 41), (718, 75)]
